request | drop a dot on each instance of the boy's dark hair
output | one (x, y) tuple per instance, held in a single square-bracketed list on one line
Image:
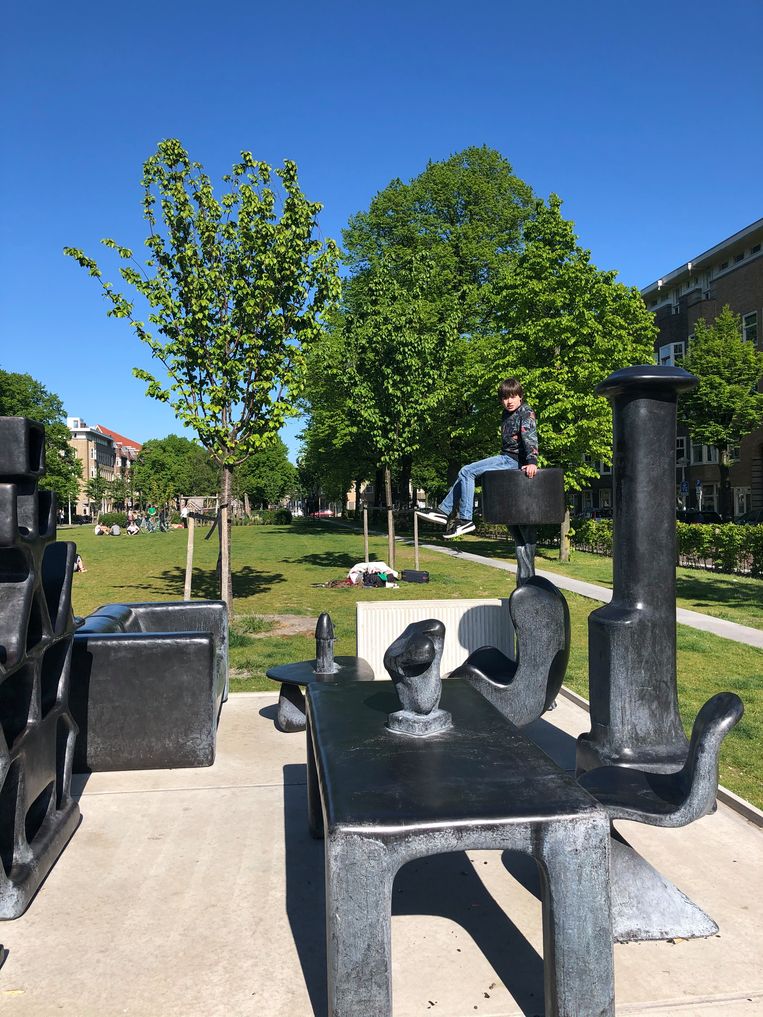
[(510, 387)]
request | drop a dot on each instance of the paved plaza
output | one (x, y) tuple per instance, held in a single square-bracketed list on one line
[(199, 893)]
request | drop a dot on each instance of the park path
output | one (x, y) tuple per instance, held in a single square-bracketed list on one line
[(694, 619)]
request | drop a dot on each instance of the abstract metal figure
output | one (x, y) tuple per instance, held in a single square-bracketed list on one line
[(671, 799), (525, 688), (413, 664)]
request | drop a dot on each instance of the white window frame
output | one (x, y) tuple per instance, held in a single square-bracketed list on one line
[(682, 458), (669, 352), (742, 500), (586, 500), (605, 497), (707, 456), (750, 327), (605, 469)]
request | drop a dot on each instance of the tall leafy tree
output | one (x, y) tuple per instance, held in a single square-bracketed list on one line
[(393, 348), (236, 287), (21, 395), (564, 326), (463, 217), (726, 405), (97, 488)]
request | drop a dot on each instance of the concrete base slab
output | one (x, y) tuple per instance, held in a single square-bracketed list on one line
[(199, 893)]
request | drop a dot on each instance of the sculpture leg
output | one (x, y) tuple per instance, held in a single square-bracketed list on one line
[(525, 538), (359, 878), (314, 807), (291, 709), (578, 963)]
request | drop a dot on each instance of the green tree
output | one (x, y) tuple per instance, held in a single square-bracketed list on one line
[(565, 326), (392, 348), (236, 288), (97, 488), (266, 477), (463, 217), (725, 406), (119, 492), (21, 395), (169, 468)]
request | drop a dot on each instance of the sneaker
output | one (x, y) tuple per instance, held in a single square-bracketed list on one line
[(458, 528), (434, 516)]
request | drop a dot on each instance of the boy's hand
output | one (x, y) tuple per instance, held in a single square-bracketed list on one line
[(530, 470)]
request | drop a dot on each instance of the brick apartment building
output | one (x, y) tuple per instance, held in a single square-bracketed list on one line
[(729, 273), (102, 452)]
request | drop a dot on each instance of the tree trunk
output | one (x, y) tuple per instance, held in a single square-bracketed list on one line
[(564, 540), (724, 497), (390, 518), (226, 582), (357, 499)]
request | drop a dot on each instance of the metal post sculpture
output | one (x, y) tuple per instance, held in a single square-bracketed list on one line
[(413, 664), (636, 760), (37, 732), (632, 640)]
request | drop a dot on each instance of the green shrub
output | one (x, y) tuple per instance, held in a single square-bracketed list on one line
[(267, 517), (113, 519)]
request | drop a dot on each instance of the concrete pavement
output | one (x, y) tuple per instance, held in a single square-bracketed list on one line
[(198, 893)]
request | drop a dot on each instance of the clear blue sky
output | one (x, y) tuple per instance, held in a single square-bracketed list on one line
[(646, 118)]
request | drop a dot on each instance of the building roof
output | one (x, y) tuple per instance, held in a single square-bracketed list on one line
[(119, 439), (736, 242)]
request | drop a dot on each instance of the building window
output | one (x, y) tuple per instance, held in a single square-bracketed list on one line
[(738, 257), (605, 469), (670, 353), (682, 458), (703, 455), (755, 249), (724, 265), (605, 498), (709, 495), (742, 500), (586, 498), (750, 327)]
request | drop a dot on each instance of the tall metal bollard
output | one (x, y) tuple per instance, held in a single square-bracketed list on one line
[(632, 640), (324, 646)]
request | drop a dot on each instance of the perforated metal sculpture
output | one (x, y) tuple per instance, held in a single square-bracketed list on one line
[(37, 812)]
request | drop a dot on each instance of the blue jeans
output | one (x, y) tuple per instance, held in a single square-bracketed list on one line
[(462, 491)]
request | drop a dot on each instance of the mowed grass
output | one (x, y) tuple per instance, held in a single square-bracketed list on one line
[(733, 598), (275, 569)]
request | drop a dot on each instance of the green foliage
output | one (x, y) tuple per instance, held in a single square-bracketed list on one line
[(97, 489), (21, 395), (270, 517), (235, 290), (725, 406), (172, 467), (113, 519), (267, 476), (727, 548), (564, 325)]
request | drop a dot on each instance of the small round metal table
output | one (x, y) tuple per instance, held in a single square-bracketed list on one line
[(293, 677)]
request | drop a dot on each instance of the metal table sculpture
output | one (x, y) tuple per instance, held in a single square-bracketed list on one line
[(37, 812), (325, 668), (525, 688), (522, 503), (384, 799)]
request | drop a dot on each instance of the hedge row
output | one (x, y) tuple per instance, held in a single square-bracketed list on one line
[(727, 547)]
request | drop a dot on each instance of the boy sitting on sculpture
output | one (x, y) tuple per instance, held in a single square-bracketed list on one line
[(519, 451)]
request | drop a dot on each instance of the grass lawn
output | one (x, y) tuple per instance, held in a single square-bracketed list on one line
[(733, 598), (275, 568)]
